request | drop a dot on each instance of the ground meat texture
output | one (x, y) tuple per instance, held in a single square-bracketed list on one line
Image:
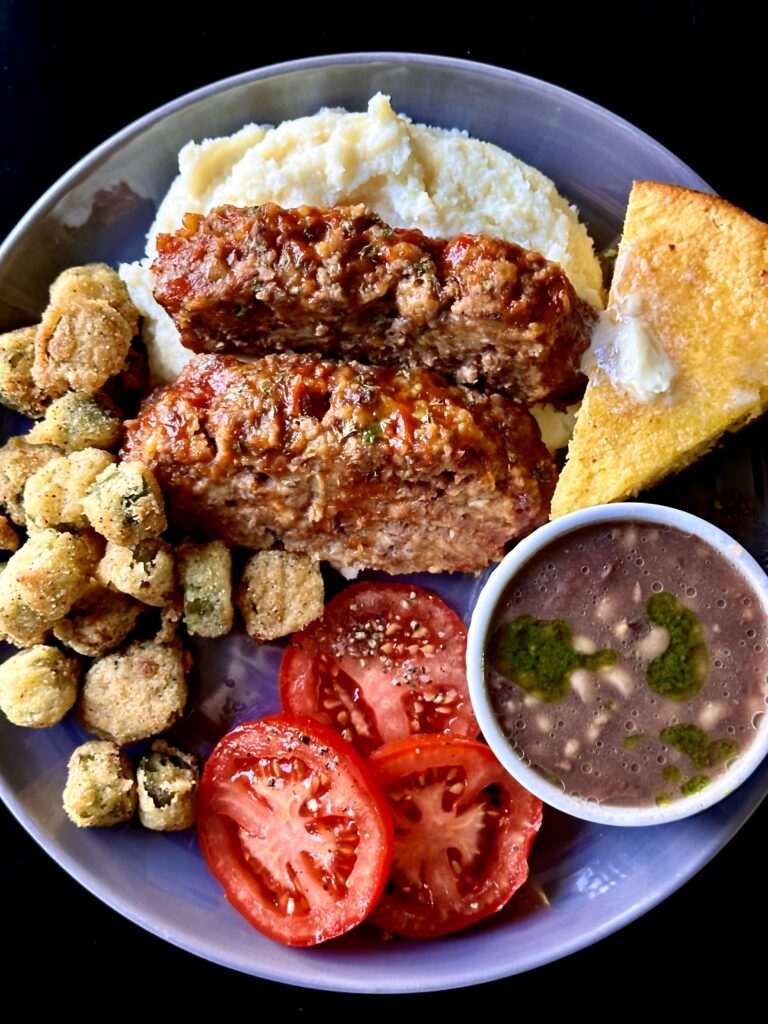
[(100, 789), (134, 693), (279, 593), (340, 282), (38, 686), (360, 466)]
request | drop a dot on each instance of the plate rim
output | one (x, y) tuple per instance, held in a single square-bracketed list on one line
[(70, 177)]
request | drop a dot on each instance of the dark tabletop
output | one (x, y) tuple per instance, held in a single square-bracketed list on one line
[(688, 76)]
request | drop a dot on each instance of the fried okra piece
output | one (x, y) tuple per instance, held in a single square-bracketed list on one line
[(17, 388), (100, 789), (19, 624), (167, 782), (52, 570), (279, 593), (54, 495), (144, 571), (9, 539), (76, 421), (125, 504), (96, 281), (134, 693), (86, 331), (205, 575), (38, 686), (18, 461), (98, 622)]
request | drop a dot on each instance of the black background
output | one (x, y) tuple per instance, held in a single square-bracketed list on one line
[(692, 75)]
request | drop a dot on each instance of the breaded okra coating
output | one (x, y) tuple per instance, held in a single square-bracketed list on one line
[(134, 693), (145, 571), (19, 460), (76, 421), (18, 390), (38, 686), (52, 570), (54, 495), (100, 789), (167, 782), (86, 331), (205, 575), (98, 621), (279, 593), (125, 504)]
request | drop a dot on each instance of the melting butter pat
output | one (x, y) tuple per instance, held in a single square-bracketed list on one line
[(624, 347)]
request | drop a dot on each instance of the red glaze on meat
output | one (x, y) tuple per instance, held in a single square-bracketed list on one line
[(364, 467), (339, 281)]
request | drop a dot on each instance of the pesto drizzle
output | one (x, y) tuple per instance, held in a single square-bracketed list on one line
[(702, 752), (694, 743), (680, 671), (539, 656)]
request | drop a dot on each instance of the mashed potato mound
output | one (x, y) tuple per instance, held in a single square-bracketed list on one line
[(439, 181)]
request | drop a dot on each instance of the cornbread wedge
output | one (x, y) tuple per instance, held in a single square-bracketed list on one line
[(696, 270)]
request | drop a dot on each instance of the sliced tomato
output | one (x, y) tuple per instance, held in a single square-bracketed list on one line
[(463, 830), (386, 660), (294, 827)]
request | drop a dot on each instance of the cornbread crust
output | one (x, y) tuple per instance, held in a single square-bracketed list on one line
[(699, 267)]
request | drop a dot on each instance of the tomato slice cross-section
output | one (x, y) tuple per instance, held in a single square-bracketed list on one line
[(385, 661), (292, 824), (463, 831)]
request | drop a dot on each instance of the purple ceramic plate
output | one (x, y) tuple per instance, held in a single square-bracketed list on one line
[(586, 880)]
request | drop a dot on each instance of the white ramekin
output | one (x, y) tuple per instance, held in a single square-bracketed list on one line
[(482, 617)]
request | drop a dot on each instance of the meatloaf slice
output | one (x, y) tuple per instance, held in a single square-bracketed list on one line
[(365, 467), (340, 282)]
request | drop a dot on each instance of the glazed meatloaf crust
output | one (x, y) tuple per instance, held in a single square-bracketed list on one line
[(364, 467), (340, 282)]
